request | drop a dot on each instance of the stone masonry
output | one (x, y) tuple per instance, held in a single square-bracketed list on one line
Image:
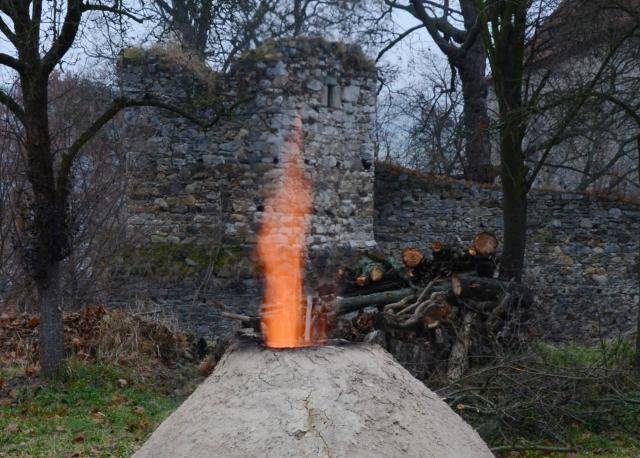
[(197, 196), (196, 186), (581, 251)]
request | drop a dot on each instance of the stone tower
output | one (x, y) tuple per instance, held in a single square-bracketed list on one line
[(190, 185)]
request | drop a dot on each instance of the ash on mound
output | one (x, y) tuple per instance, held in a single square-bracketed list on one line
[(334, 401)]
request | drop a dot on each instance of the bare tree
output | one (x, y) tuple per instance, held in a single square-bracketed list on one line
[(455, 32), (190, 20), (96, 196), (41, 36), (505, 28), (429, 116), (219, 30), (595, 150)]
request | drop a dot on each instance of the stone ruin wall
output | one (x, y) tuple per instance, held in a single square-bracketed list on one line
[(196, 187), (192, 191), (581, 251)]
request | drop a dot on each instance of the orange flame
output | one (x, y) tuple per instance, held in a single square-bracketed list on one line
[(281, 247)]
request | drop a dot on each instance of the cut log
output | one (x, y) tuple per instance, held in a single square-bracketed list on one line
[(455, 258), (485, 244), (376, 273), (489, 289), (478, 288), (353, 303), (311, 402), (411, 257), (367, 272), (436, 248), (386, 284)]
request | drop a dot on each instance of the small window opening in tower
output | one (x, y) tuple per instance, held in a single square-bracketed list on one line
[(331, 88)]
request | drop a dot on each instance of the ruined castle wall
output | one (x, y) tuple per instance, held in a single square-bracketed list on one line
[(197, 197), (194, 186), (581, 251)]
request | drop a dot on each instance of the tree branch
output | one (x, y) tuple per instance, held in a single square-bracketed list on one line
[(69, 157), (4, 28), (576, 109), (12, 105), (66, 38), (12, 62), (397, 40), (430, 23), (111, 9)]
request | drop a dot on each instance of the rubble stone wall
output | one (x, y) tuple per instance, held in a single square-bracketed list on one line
[(581, 251), (197, 196), (190, 185)]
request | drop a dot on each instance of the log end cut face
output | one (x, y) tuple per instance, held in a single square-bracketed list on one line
[(332, 401)]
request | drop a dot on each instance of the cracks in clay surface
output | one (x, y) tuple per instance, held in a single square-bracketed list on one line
[(312, 427)]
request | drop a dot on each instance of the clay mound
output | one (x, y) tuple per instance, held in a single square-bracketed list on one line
[(334, 401)]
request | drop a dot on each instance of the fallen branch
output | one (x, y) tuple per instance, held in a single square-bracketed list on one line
[(459, 355), (489, 289), (351, 304), (252, 321)]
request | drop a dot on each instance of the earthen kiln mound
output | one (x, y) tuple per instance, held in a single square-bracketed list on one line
[(333, 401)]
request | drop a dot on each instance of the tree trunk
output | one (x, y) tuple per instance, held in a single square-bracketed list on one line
[(506, 53), (637, 358), (192, 22), (476, 121), (298, 17), (48, 227), (51, 320), (514, 195)]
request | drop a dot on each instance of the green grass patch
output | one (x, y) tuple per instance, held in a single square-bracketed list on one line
[(89, 410)]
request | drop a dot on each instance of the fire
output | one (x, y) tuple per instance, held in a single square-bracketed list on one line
[(281, 248)]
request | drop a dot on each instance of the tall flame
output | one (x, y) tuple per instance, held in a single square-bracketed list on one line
[(281, 247)]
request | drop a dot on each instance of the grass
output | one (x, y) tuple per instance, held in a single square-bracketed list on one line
[(581, 397), (96, 409)]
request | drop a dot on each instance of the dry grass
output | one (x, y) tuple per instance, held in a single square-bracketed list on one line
[(97, 334), (125, 337), (578, 397)]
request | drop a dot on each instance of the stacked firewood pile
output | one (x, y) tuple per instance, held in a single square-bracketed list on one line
[(436, 311), (433, 312)]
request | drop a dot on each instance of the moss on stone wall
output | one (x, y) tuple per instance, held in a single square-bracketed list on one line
[(134, 55), (266, 51), (181, 261), (351, 57), (203, 85)]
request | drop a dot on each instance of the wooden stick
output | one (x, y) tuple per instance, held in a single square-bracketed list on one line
[(238, 317), (398, 305), (307, 321), (251, 321), (459, 355), (351, 304)]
